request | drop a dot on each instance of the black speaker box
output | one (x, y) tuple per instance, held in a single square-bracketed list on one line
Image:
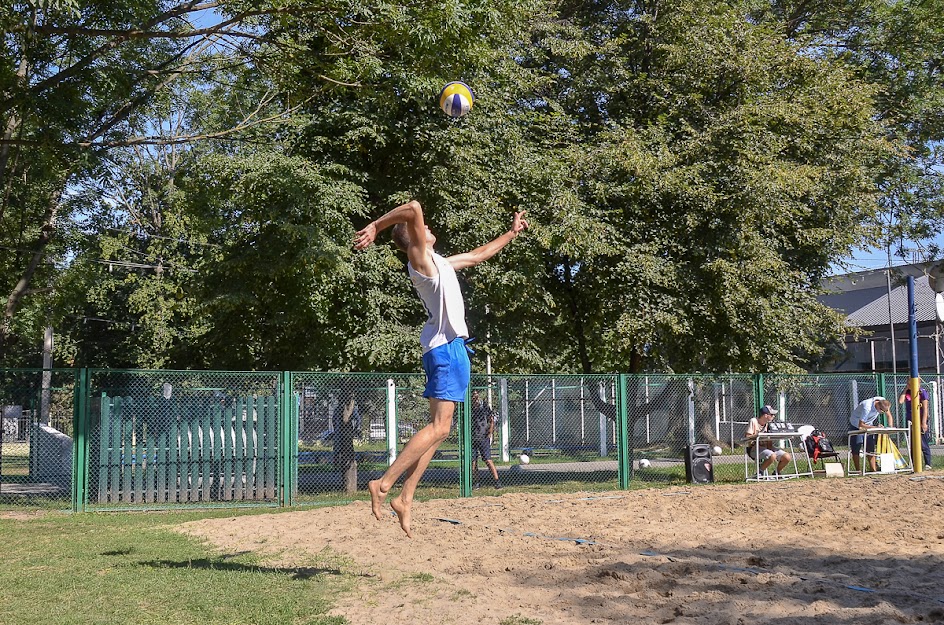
[(698, 467)]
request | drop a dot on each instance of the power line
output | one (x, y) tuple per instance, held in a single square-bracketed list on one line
[(130, 265), (146, 235)]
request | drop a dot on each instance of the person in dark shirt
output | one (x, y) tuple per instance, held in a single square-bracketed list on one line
[(483, 425)]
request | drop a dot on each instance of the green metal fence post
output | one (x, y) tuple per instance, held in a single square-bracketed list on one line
[(880, 386), (289, 442), (623, 449), (465, 447), (758, 391), (80, 438)]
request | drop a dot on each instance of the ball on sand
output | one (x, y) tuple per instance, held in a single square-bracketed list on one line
[(524, 458), (716, 450), (644, 464)]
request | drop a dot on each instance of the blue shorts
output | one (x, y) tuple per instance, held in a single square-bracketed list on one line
[(448, 371), (855, 444)]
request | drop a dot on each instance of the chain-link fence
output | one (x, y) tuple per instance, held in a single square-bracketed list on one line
[(352, 426), (161, 438), (674, 412), (547, 432), (36, 444), (108, 439)]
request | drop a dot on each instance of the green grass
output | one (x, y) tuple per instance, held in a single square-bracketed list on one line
[(132, 568), (15, 459), (517, 619)]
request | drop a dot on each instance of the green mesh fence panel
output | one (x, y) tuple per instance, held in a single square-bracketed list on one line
[(823, 401), (177, 438), (550, 432), (212, 438), (352, 426), (668, 413), (36, 445)]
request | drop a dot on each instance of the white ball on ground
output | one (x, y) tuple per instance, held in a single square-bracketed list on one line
[(524, 458), (716, 450), (644, 464)]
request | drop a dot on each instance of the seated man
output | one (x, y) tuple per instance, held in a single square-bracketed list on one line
[(865, 417), (768, 454)]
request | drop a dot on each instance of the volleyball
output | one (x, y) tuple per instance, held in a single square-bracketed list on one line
[(456, 99), (644, 464), (524, 458), (716, 450)]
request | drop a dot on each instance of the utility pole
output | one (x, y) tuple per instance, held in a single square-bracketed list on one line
[(47, 377), (891, 321)]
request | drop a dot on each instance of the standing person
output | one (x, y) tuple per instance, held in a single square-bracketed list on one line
[(483, 425), (905, 398), (768, 454), (865, 417), (445, 359)]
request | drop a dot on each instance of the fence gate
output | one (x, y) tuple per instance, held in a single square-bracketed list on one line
[(157, 450)]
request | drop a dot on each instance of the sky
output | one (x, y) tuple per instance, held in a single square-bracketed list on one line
[(876, 258)]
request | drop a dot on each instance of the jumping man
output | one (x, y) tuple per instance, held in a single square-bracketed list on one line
[(445, 358)]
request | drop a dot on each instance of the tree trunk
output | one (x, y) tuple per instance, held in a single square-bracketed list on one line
[(344, 457), (46, 234)]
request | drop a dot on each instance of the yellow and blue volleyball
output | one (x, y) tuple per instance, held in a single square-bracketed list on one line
[(456, 99)]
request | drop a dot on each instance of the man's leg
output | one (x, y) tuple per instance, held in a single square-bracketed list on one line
[(769, 460), (491, 467), (870, 452), (784, 461), (855, 446), (436, 433), (442, 412), (424, 443), (402, 504)]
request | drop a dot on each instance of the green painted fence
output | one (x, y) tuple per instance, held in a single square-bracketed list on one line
[(118, 439), (159, 451)]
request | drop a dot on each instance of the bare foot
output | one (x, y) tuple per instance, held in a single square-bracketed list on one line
[(403, 513), (377, 497)]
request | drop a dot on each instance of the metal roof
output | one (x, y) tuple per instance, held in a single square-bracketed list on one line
[(863, 296)]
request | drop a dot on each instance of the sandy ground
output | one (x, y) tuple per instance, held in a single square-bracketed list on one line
[(854, 550)]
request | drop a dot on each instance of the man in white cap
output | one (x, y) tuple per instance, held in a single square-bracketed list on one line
[(768, 454), (865, 417)]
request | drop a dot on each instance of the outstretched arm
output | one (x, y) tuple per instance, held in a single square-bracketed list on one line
[(484, 252), (411, 214)]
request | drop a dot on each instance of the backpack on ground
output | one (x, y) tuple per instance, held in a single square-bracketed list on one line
[(818, 445)]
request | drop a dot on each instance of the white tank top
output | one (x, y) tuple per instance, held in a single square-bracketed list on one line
[(444, 304)]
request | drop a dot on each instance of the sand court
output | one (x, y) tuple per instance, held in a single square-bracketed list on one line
[(857, 550)]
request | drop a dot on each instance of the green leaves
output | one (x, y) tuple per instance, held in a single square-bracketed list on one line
[(691, 171)]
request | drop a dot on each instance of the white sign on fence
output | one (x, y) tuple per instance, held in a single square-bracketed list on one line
[(11, 423)]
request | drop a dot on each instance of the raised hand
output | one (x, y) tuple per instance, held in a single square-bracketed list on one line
[(363, 238), (519, 222)]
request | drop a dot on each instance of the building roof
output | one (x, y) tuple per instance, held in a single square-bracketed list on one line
[(863, 295)]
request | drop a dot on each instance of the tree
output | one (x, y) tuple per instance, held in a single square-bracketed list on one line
[(78, 82), (898, 47), (722, 172), (683, 164)]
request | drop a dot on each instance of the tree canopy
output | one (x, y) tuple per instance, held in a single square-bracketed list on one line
[(182, 181)]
